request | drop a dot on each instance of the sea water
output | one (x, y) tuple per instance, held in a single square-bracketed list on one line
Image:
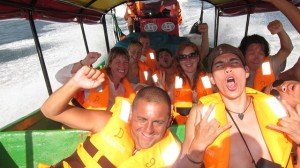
[(22, 86)]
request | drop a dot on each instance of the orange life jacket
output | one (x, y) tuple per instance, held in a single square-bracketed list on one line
[(183, 97), (151, 62), (98, 98), (264, 75), (143, 68), (159, 73), (217, 154)]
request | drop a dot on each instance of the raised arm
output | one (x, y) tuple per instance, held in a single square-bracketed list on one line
[(89, 59), (56, 107), (64, 74), (289, 10), (286, 46), (204, 48)]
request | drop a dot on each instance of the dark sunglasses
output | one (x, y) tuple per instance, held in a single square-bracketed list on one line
[(191, 56), (275, 92)]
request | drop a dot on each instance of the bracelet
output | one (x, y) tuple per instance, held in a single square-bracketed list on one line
[(81, 63), (191, 160)]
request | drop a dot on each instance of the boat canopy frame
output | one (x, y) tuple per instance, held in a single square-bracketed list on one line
[(94, 11)]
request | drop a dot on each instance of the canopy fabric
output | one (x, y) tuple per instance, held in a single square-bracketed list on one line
[(91, 11), (52, 10), (241, 7)]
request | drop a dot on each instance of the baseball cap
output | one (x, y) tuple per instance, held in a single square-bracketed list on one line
[(224, 49)]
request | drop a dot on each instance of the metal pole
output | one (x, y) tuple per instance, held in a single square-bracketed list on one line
[(105, 33), (216, 27), (84, 37), (247, 23), (39, 52)]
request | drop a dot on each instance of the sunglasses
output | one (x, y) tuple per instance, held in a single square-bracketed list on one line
[(275, 92), (191, 56)]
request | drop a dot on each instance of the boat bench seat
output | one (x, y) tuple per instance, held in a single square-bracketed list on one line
[(29, 148)]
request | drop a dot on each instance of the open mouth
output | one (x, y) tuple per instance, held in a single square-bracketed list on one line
[(230, 83)]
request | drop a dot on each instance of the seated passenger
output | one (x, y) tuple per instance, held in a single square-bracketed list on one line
[(171, 8), (164, 76), (265, 69), (132, 14), (191, 81), (114, 85), (288, 92), (230, 128), (139, 74), (131, 136), (148, 54)]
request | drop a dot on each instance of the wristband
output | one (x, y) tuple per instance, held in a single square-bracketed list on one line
[(191, 160)]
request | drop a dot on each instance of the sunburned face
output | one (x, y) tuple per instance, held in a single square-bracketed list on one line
[(135, 52), (146, 44), (165, 60), (149, 122), (288, 91), (189, 63), (254, 56), (229, 74), (119, 67)]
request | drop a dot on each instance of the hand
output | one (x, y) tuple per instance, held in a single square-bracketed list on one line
[(203, 28), (88, 78), (291, 124), (91, 58), (200, 133), (275, 27), (161, 81)]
